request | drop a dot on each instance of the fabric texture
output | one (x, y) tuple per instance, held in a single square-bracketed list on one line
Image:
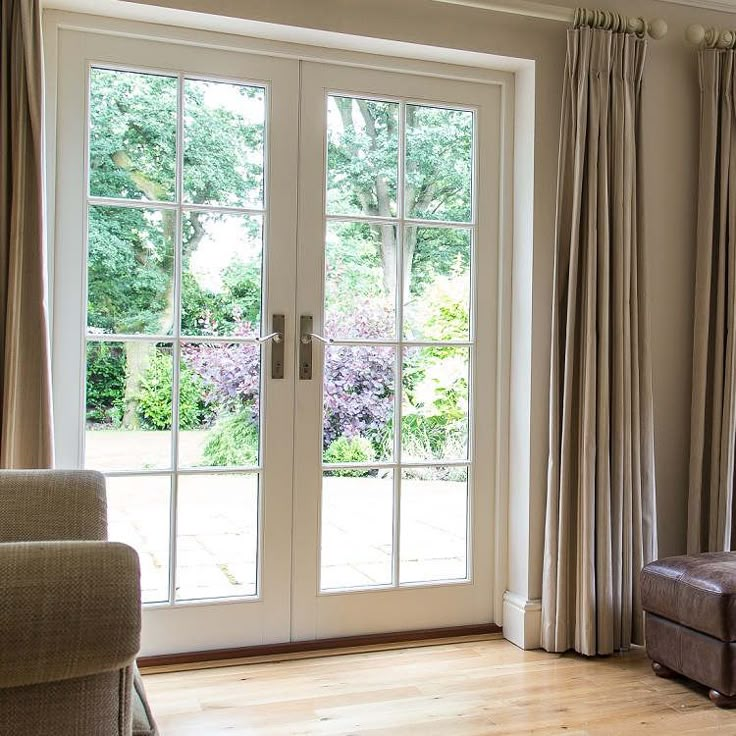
[(53, 708), (711, 510), (143, 723), (25, 368), (77, 497), (601, 518), (70, 613), (67, 609)]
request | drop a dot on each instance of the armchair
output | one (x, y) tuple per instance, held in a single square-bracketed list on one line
[(69, 611)]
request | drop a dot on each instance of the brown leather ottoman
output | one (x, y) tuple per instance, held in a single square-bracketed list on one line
[(690, 605)]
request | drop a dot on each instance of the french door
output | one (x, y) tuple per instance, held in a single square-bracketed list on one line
[(273, 330), (396, 264)]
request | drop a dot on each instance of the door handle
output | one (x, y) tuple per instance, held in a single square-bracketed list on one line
[(276, 338), (314, 336), (306, 340)]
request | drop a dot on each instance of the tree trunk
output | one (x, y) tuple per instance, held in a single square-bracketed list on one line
[(136, 361)]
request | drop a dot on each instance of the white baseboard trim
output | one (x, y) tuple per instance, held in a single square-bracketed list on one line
[(522, 620)]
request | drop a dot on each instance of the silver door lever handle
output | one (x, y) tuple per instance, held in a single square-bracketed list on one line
[(306, 339), (275, 336)]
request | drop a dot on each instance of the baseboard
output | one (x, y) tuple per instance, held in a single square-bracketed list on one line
[(522, 620), (345, 644)]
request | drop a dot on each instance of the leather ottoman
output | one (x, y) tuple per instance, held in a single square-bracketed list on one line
[(690, 604)]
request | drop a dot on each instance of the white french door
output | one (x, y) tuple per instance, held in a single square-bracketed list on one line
[(175, 245), (397, 251), (274, 326)]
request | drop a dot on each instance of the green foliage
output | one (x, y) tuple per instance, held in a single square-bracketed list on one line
[(218, 167), (154, 400), (363, 158), (129, 270), (433, 437), (233, 441), (437, 252), (439, 163), (132, 134), (105, 383), (132, 155), (131, 250), (349, 450), (238, 302), (363, 155), (242, 282)]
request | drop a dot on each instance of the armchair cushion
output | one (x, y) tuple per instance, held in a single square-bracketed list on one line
[(67, 610), (36, 505)]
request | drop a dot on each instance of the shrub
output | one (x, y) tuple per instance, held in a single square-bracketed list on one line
[(349, 450), (358, 394), (233, 440), (105, 383), (230, 373), (154, 399)]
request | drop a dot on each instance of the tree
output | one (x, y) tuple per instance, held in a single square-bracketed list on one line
[(131, 250), (363, 152)]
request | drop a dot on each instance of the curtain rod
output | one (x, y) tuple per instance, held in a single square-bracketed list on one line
[(604, 19), (710, 37)]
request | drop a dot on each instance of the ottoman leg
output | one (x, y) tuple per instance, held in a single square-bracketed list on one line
[(661, 671), (721, 700)]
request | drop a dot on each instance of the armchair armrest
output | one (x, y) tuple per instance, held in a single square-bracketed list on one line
[(67, 609)]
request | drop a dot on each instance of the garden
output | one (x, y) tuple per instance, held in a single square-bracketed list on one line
[(134, 302)]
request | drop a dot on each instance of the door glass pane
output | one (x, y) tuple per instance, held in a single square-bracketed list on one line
[(217, 536), (360, 281), (132, 135), (366, 265), (437, 302), (434, 424), (138, 515), (128, 405), (221, 274), (357, 527), (362, 156), (434, 522), (224, 143), (130, 270), (358, 404), (439, 163), (219, 388)]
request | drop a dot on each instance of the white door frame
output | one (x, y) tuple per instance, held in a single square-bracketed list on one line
[(408, 58)]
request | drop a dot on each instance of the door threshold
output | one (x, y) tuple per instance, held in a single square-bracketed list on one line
[(294, 650)]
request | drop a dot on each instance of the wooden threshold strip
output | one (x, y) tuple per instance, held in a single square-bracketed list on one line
[(315, 648)]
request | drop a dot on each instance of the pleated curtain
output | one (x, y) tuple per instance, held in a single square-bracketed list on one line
[(600, 517), (25, 395), (711, 524)]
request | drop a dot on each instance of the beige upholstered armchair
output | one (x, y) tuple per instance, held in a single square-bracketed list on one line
[(69, 611)]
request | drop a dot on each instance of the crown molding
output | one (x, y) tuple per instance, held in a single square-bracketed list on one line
[(722, 6), (551, 11)]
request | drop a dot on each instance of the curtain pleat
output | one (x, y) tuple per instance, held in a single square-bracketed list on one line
[(25, 385), (601, 520), (713, 416)]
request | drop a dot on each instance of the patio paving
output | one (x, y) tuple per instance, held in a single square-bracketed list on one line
[(217, 545)]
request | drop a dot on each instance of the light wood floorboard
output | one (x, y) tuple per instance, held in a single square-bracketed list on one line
[(478, 688)]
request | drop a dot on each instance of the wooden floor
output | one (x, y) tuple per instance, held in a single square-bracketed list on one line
[(460, 689)]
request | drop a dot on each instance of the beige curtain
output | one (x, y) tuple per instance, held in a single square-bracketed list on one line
[(25, 405), (711, 524), (600, 523)]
